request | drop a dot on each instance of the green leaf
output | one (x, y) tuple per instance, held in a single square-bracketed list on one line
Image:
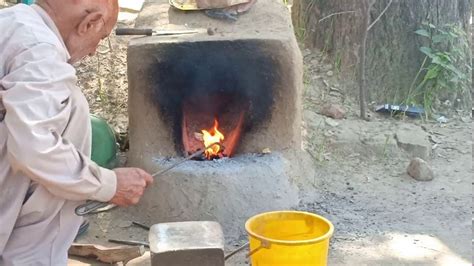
[(439, 61), (445, 57), (432, 73), (452, 34), (423, 32), (427, 51), (454, 70), (438, 38)]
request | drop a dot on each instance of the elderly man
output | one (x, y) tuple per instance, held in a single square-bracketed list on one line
[(45, 135)]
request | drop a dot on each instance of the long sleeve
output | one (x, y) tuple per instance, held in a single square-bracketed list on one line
[(38, 100)]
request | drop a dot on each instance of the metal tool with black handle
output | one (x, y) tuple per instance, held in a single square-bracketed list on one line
[(93, 205), (152, 32)]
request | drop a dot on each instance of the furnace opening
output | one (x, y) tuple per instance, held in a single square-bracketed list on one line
[(198, 84)]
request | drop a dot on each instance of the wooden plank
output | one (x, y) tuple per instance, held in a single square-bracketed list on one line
[(107, 254)]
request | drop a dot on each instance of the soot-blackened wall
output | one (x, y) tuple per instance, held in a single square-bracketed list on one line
[(199, 72), (163, 73)]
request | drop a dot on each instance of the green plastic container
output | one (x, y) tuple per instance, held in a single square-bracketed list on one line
[(104, 144)]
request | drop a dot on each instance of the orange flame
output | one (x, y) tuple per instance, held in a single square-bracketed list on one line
[(210, 137)]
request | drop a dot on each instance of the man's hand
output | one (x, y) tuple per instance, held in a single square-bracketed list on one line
[(131, 183)]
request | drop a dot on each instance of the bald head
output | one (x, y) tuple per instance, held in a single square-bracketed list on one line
[(75, 10), (82, 23)]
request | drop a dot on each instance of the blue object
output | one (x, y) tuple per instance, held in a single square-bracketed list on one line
[(412, 111), (28, 2)]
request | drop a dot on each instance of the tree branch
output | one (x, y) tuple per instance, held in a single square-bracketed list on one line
[(381, 14), (366, 26), (365, 10), (334, 14)]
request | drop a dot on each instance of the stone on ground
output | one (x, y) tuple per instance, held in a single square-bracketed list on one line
[(334, 111), (331, 122), (414, 140), (420, 170), (382, 143)]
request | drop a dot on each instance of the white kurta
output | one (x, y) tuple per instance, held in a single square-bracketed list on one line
[(45, 139)]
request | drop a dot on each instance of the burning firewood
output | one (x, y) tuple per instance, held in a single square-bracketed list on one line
[(198, 136)]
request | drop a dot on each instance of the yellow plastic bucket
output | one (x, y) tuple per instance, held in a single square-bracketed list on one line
[(289, 238)]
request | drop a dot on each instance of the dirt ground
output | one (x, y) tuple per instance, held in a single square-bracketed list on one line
[(380, 212)]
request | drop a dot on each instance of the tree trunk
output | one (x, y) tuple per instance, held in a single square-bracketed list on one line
[(393, 57)]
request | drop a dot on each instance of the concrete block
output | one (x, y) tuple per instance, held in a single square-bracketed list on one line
[(187, 244), (383, 144)]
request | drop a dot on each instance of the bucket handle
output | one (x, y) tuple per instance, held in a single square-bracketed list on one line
[(263, 244)]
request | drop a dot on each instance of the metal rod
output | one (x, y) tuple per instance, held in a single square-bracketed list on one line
[(129, 242), (186, 159), (237, 250), (146, 227), (91, 206), (150, 32)]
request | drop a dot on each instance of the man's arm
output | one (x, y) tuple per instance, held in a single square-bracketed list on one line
[(37, 106)]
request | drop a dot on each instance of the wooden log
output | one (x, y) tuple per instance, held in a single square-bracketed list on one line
[(106, 254)]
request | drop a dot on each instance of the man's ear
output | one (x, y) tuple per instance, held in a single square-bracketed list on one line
[(92, 21)]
